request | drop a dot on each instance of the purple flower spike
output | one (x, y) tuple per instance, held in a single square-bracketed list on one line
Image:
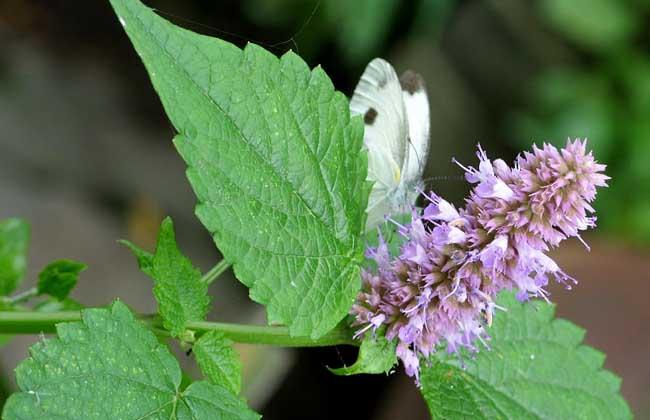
[(442, 286)]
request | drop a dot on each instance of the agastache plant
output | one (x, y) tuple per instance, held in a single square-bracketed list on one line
[(442, 287), (280, 173)]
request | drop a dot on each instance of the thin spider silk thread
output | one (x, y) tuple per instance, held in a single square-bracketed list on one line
[(273, 46)]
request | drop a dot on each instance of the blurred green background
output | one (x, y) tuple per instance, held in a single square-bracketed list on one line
[(86, 154)]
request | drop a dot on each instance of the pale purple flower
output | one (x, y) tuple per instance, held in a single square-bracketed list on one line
[(446, 234), (442, 286), (409, 359), (489, 185), (494, 253), (439, 209)]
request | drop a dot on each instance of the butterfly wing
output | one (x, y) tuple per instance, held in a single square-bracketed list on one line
[(378, 98), (416, 104)]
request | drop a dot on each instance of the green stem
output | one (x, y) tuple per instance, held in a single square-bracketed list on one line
[(215, 272), (274, 336), (43, 322)]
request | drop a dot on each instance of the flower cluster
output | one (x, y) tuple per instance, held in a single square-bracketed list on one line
[(442, 286)]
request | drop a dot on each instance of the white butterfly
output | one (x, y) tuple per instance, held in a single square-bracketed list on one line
[(396, 117)]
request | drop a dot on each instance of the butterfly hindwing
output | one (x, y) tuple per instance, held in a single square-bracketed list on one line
[(416, 104)]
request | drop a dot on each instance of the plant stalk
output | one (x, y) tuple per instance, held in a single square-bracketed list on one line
[(215, 272), (28, 322)]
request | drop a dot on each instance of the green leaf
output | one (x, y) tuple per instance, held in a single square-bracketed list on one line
[(179, 291), (109, 366), (14, 239), (275, 161), (218, 360), (59, 278), (536, 368), (376, 355), (144, 258)]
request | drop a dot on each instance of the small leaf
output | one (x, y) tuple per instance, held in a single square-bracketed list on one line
[(536, 368), (109, 366), (59, 278), (376, 355), (144, 258), (14, 239), (218, 360), (179, 291), (276, 163)]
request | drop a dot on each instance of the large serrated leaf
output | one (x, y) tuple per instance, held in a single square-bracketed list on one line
[(537, 368), (109, 366), (275, 161)]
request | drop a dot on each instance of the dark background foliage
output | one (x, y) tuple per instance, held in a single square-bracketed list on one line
[(86, 156)]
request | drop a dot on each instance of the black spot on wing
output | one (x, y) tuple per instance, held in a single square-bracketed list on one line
[(369, 116), (411, 82)]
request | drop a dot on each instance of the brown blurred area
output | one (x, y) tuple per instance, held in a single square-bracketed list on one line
[(86, 157), (611, 303)]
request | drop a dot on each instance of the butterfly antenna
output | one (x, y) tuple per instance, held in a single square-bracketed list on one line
[(428, 182), (444, 178)]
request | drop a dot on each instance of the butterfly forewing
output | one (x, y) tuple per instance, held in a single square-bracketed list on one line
[(378, 98)]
